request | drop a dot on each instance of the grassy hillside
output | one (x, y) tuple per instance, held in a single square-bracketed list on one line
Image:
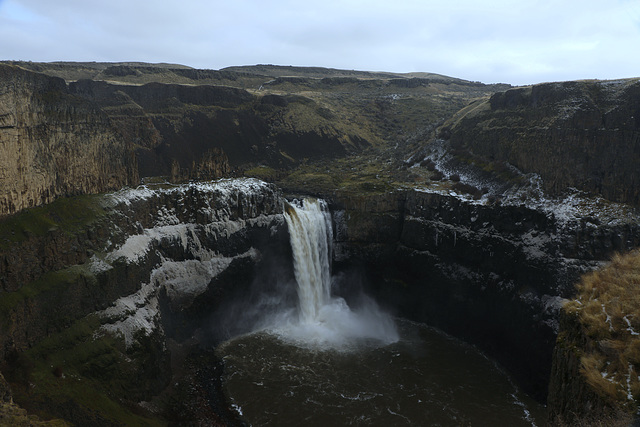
[(608, 306), (266, 116), (597, 356)]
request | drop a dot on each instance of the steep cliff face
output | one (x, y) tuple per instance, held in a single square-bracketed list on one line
[(495, 274), (574, 134), (54, 144), (572, 400), (145, 273), (152, 265), (92, 136), (140, 120), (133, 228)]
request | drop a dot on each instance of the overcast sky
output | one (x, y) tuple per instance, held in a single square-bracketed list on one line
[(517, 42)]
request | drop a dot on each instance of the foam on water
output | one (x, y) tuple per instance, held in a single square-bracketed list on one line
[(425, 378)]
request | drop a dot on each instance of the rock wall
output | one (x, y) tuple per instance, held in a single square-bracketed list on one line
[(112, 255), (582, 134), (150, 267), (87, 137), (596, 360), (54, 144), (494, 274), (571, 399), (158, 261)]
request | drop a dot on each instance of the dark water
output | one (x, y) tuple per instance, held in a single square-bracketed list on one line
[(424, 379)]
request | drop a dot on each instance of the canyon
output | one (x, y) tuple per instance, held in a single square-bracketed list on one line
[(472, 208)]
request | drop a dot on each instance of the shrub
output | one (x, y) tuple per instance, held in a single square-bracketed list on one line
[(468, 189), (591, 368), (57, 372), (437, 176)]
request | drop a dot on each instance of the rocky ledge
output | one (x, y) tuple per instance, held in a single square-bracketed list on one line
[(150, 268), (495, 272), (583, 135)]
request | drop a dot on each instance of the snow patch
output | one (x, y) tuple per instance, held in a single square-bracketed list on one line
[(135, 313), (629, 327), (575, 206), (185, 280), (223, 190)]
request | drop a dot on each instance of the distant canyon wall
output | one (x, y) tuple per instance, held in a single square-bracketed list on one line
[(84, 137), (53, 143), (583, 134)]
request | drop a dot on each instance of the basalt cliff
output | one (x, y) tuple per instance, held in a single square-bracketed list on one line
[(474, 208)]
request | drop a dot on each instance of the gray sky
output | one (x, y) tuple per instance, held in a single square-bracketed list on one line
[(517, 42)]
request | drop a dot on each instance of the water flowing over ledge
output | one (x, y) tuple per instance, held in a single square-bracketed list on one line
[(323, 320)]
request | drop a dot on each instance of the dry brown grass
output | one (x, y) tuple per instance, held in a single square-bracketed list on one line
[(608, 306), (614, 419)]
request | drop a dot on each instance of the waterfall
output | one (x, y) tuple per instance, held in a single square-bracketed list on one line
[(324, 319), (311, 237)]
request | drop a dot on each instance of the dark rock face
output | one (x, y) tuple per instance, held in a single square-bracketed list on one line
[(574, 134), (152, 267), (5, 390), (54, 144), (570, 397), (494, 275), (176, 126), (205, 211)]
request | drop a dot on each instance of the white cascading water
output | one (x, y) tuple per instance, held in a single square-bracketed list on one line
[(311, 237), (323, 319)]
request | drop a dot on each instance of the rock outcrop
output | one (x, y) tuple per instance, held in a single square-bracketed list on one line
[(54, 144), (583, 134), (87, 137), (596, 358), (495, 274)]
